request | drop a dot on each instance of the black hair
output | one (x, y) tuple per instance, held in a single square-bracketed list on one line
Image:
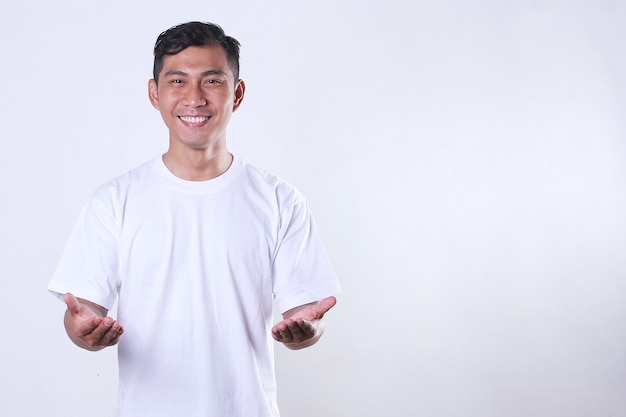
[(180, 37)]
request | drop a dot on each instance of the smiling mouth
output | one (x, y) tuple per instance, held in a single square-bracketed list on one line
[(194, 119)]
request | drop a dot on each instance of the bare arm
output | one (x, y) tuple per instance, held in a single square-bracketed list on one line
[(303, 326), (88, 326)]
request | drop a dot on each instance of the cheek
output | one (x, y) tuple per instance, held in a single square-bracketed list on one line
[(226, 101), (167, 103)]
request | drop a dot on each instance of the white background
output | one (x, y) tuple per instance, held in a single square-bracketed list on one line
[(465, 160)]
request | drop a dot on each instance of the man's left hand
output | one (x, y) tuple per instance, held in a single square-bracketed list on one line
[(303, 326)]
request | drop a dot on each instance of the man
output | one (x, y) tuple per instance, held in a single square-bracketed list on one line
[(195, 246)]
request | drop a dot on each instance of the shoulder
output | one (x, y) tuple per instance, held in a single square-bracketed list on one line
[(128, 178), (271, 184), (114, 191)]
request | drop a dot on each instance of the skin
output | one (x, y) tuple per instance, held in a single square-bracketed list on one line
[(196, 94), (303, 326), (88, 326)]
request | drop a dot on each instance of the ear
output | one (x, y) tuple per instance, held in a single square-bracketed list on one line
[(240, 90), (153, 93)]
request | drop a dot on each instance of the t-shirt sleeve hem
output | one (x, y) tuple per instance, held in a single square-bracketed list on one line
[(59, 289), (286, 303)]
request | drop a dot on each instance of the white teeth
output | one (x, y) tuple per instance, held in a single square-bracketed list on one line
[(194, 119)]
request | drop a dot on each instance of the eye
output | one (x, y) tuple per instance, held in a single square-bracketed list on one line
[(214, 81)]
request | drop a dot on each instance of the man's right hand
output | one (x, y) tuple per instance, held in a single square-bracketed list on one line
[(88, 326)]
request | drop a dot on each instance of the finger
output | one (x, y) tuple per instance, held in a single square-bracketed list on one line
[(106, 330), (275, 330), (276, 335), (113, 335), (72, 303), (87, 327), (286, 334), (299, 331), (302, 329), (281, 326), (325, 305), (282, 331), (115, 340)]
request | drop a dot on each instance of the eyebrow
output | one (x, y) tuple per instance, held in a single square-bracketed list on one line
[(204, 74)]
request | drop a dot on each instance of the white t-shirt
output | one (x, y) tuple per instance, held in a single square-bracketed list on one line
[(196, 267)]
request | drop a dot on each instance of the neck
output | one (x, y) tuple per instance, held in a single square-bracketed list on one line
[(199, 165)]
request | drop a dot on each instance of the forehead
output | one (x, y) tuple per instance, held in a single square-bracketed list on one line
[(198, 59)]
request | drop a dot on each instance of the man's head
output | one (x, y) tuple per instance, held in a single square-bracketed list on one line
[(196, 86), (180, 37)]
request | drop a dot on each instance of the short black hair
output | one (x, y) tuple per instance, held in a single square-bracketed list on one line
[(180, 37)]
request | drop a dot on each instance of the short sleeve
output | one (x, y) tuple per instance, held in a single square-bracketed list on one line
[(88, 267), (302, 272)]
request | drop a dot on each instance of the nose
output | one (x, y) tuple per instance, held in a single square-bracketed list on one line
[(194, 96)]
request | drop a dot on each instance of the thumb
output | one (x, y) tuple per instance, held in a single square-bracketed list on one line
[(73, 305), (325, 305)]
